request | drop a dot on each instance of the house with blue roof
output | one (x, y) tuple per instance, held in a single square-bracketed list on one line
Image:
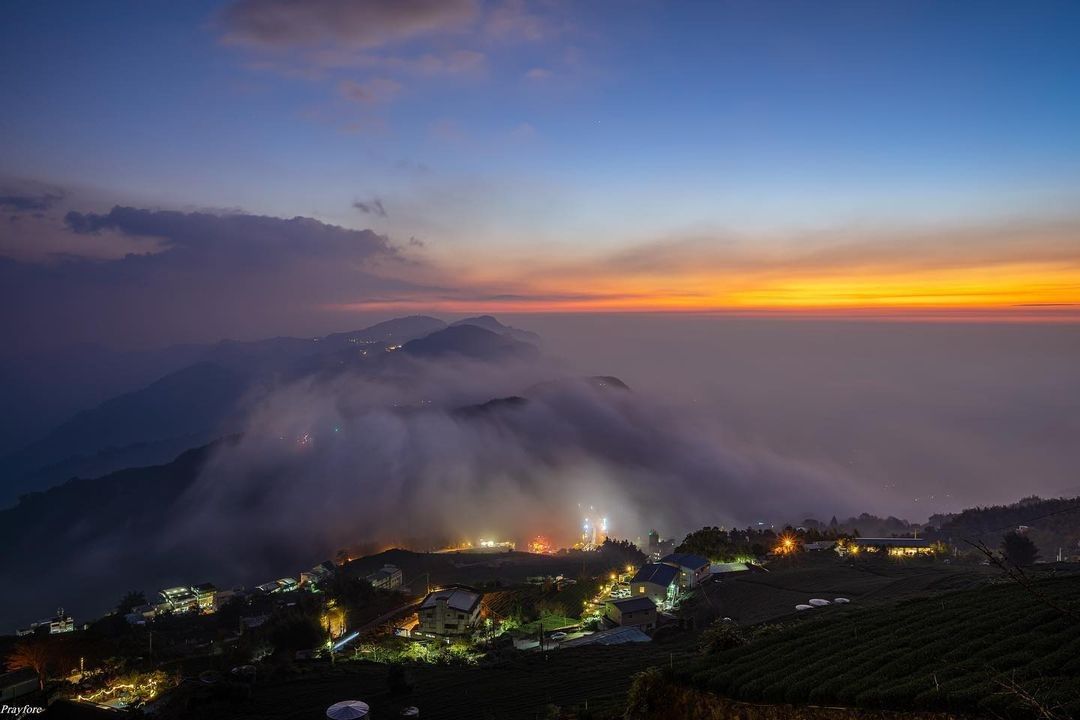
[(658, 582)]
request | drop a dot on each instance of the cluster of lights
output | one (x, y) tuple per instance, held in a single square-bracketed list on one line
[(593, 531), (139, 692), (540, 545), (786, 546)]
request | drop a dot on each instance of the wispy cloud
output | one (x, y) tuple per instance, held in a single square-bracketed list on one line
[(365, 24), (375, 91), (371, 207)]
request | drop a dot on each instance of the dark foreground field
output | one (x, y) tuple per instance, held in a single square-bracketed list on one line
[(915, 637), (754, 597), (998, 650), (519, 688)]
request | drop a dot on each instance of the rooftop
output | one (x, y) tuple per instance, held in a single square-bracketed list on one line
[(656, 573), (634, 604), (686, 560), (457, 598), (615, 636)]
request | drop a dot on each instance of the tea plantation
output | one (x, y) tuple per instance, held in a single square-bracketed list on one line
[(997, 650)]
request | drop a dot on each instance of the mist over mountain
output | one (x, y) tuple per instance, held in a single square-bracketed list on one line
[(415, 448), (200, 400)]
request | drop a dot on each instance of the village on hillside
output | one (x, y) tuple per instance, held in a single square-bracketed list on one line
[(393, 627)]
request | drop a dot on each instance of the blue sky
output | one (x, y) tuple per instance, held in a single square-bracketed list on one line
[(742, 113), (505, 134)]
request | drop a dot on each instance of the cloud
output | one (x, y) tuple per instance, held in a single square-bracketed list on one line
[(375, 91), (235, 240), (538, 73), (371, 207), (347, 23), (514, 20), (198, 277), (397, 43), (979, 265), (406, 465), (29, 203), (523, 131)]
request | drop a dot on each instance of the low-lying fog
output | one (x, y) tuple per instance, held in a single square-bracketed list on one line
[(927, 417)]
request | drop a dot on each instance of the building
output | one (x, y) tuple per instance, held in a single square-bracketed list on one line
[(693, 569), (62, 623), (638, 612), (819, 546), (281, 585), (449, 611), (287, 584), (658, 547), (389, 578), (205, 597), (318, 575), (180, 599), (721, 570), (658, 582), (894, 547), (17, 683)]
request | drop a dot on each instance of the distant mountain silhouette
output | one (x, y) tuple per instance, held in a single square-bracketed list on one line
[(181, 410), (488, 322), (470, 341), (204, 398)]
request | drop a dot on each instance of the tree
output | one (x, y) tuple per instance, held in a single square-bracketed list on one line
[(295, 630), (721, 635), (35, 654), (1018, 549)]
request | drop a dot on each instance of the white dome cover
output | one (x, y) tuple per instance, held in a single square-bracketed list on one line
[(347, 710)]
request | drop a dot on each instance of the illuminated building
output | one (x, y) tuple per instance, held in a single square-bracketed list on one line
[(497, 544), (659, 547), (62, 623), (658, 582), (894, 547), (180, 599), (205, 596)]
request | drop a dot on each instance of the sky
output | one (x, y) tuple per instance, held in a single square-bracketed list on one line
[(913, 160), (833, 247)]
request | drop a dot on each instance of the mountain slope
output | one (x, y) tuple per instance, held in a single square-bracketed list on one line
[(487, 322), (189, 406), (472, 342)]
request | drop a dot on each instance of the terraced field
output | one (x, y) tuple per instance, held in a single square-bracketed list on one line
[(750, 598), (996, 651)]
